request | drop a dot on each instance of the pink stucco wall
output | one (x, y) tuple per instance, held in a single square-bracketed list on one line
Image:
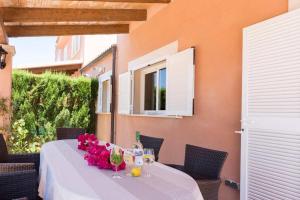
[(214, 28), (5, 84)]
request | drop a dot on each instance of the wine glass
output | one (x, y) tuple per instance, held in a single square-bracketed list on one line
[(149, 158), (116, 159)]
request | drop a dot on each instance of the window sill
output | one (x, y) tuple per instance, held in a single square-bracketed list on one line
[(154, 116)]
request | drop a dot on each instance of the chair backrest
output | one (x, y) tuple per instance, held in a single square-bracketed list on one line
[(202, 163), (152, 143), (68, 133), (3, 149)]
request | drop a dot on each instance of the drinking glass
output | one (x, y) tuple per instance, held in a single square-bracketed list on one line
[(149, 158), (116, 159), (128, 158)]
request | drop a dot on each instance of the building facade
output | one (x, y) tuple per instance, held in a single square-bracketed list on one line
[(178, 77), (181, 104), (82, 47), (69, 48)]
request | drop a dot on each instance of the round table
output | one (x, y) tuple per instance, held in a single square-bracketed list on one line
[(65, 175)]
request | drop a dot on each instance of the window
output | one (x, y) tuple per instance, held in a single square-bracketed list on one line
[(65, 53), (58, 56), (106, 96), (104, 93), (150, 91), (75, 44), (164, 88), (153, 88)]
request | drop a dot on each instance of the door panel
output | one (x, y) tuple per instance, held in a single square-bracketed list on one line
[(270, 162)]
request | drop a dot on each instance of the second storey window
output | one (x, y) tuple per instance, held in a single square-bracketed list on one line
[(65, 53), (75, 44)]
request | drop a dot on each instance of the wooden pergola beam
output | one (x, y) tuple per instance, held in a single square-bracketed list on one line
[(71, 15), (58, 30), (3, 35), (127, 1)]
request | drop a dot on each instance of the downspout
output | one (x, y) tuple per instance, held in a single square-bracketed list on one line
[(113, 95)]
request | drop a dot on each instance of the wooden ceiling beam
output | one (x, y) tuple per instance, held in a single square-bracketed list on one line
[(58, 30), (3, 35), (128, 1), (71, 15)]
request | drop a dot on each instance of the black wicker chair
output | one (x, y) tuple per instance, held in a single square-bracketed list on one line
[(152, 143), (18, 158), (204, 165), (18, 181), (68, 133)]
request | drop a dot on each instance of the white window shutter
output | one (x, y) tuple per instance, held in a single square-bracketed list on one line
[(180, 83), (100, 92), (124, 93)]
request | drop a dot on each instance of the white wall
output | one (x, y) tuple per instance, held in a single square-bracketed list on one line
[(94, 45), (294, 4)]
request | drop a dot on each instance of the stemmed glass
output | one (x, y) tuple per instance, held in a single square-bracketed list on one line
[(116, 159), (149, 158)]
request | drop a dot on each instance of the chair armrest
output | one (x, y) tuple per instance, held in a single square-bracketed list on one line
[(14, 167), (25, 158), (18, 184), (209, 188), (178, 167)]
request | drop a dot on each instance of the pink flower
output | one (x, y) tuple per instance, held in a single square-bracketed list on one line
[(85, 140), (96, 155)]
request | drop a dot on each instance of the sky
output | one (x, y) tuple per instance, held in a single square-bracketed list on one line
[(33, 50)]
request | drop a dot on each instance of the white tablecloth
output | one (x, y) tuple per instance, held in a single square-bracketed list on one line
[(65, 175)]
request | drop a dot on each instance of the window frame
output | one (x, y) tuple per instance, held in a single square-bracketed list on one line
[(156, 67), (101, 79)]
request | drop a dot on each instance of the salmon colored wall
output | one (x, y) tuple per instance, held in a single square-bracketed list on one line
[(5, 78), (214, 27), (5, 81), (103, 127)]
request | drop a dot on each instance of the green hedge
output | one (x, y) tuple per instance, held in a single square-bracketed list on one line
[(41, 103)]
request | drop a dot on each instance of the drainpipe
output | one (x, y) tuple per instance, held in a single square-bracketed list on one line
[(113, 96)]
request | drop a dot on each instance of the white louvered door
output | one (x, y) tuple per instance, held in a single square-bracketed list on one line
[(270, 157)]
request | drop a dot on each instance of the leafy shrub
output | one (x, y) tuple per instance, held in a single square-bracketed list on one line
[(41, 103), (4, 115), (94, 94)]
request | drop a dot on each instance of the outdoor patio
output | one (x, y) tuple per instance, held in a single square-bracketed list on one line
[(151, 99)]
